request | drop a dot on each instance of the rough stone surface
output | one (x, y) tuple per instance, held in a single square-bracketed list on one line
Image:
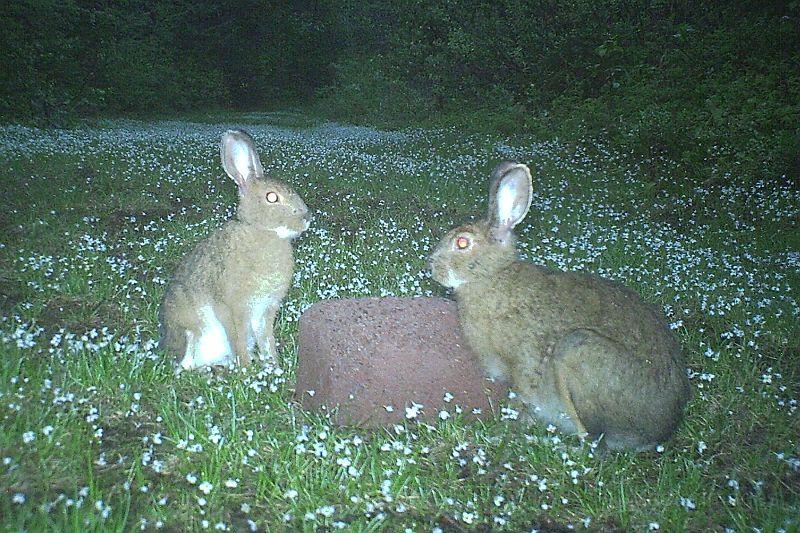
[(356, 357)]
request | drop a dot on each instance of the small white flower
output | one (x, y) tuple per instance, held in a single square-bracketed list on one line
[(28, 437), (413, 411), (205, 487), (191, 478), (18, 498), (508, 413), (231, 483), (688, 504), (291, 494)]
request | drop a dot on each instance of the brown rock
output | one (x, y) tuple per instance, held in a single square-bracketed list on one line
[(356, 357)]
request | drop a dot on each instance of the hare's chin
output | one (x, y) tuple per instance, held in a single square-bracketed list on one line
[(452, 281), (286, 233)]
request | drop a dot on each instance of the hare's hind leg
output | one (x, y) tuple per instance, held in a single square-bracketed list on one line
[(571, 414), (593, 376), (541, 387), (210, 344)]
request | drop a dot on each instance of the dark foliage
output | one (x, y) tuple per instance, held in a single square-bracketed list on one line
[(75, 57)]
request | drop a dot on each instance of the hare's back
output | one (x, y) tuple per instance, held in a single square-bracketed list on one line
[(205, 264), (554, 303)]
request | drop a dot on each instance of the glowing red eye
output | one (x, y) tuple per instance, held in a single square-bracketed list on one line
[(272, 197), (462, 243)]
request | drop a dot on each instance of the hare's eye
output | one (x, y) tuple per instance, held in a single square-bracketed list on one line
[(272, 197), (462, 243)]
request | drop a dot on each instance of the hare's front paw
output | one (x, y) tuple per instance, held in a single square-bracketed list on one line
[(496, 369), (267, 350)]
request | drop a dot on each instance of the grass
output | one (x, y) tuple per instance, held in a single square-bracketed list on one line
[(97, 433)]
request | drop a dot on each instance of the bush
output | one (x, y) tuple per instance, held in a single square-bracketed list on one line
[(368, 89)]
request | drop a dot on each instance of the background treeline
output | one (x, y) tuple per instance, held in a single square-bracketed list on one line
[(685, 79), (67, 57)]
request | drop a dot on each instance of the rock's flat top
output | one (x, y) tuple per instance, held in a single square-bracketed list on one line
[(358, 356)]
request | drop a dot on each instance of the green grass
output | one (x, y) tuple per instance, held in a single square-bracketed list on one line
[(97, 433)]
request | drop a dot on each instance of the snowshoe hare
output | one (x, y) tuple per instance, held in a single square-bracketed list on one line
[(583, 353), (223, 298)]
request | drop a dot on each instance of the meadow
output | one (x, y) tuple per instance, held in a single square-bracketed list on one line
[(97, 433)]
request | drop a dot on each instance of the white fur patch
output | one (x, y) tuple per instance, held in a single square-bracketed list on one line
[(452, 281), (285, 233), (495, 369), (212, 346)]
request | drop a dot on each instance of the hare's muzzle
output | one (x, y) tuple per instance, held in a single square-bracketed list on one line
[(308, 218), (430, 266)]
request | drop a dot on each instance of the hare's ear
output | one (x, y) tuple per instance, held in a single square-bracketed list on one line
[(494, 182), (240, 158), (510, 198)]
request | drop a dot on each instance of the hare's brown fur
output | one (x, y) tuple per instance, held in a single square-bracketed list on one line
[(583, 352)]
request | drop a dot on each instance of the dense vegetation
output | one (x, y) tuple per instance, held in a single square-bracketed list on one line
[(703, 83)]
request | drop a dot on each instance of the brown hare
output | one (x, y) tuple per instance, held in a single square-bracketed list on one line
[(222, 301), (583, 353)]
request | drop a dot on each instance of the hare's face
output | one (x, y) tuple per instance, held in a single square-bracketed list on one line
[(475, 253), (275, 206), (469, 254)]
